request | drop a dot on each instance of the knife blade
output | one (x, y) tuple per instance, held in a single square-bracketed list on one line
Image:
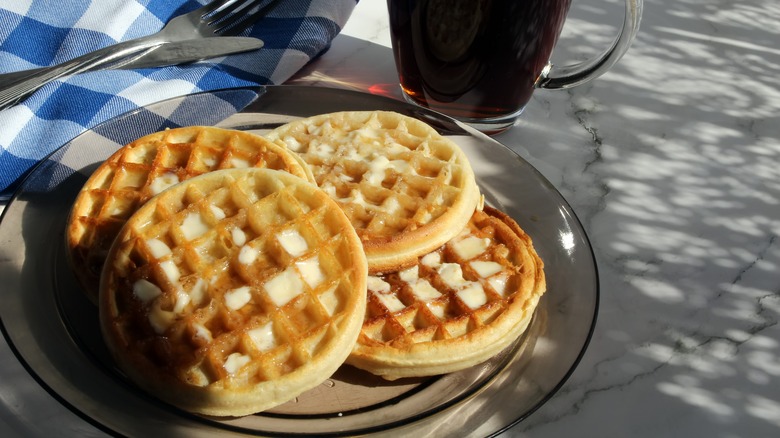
[(170, 54)]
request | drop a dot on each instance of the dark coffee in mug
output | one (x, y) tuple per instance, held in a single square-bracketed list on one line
[(473, 59)]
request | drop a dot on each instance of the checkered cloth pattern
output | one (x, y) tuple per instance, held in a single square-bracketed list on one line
[(36, 33)]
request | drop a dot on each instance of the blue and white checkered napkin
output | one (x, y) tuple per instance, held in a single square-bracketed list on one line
[(35, 33)]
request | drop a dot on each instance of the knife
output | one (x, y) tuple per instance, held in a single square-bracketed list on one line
[(169, 54)]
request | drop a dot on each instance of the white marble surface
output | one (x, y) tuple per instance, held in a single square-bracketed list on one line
[(672, 162)]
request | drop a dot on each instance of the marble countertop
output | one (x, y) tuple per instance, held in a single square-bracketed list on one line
[(670, 161)]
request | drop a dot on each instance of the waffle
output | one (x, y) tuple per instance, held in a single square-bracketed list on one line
[(145, 167), (233, 292), (459, 306), (406, 189)]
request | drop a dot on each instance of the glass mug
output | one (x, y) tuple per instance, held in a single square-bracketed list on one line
[(480, 61)]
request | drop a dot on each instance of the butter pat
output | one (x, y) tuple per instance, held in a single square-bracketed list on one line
[(238, 163), (432, 260), (238, 236), (292, 242), (311, 271), (193, 226), (202, 333), (424, 291), (238, 298), (376, 284), (498, 283), (247, 255), (160, 319), (171, 270), (218, 213), (182, 299), (145, 290), (473, 295), (470, 247), (235, 361), (452, 275), (486, 269), (284, 286), (158, 248), (263, 337), (390, 301), (198, 292), (162, 182)]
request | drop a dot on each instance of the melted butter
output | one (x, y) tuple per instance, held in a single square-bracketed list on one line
[(145, 290), (376, 171), (432, 260), (352, 154), (485, 269), (390, 301), (410, 275), (436, 309), (330, 300), (498, 283), (247, 255), (311, 271), (320, 149), (202, 333), (378, 167), (158, 248), (473, 295), (162, 182), (218, 213), (421, 288), (182, 299), (452, 274), (292, 242), (292, 143), (198, 292), (238, 298), (171, 270), (284, 286), (263, 337), (239, 163), (376, 284), (160, 319), (391, 205), (235, 361), (470, 247), (238, 236), (357, 198), (424, 291), (381, 289), (193, 226)]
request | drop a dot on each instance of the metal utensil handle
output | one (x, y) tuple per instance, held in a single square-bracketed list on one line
[(22, 88), (554, 77)]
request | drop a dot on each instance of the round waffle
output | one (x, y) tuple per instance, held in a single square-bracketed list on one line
[(144, 168), (233, 292), (406, 189), (457, 307)]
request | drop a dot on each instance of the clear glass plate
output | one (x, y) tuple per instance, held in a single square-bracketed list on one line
[(52, 328)]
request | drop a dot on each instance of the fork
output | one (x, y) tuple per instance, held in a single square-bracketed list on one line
[(218, 18)]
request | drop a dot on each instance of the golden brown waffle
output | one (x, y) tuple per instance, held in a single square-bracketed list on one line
[(144, 168), (406, 189), (234, 291), (459, 306)]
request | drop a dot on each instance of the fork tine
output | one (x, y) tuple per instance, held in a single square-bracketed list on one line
[(211, 7), (241, 5), (244, 21)]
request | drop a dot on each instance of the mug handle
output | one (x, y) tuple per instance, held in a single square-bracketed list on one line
[(553, 77)]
